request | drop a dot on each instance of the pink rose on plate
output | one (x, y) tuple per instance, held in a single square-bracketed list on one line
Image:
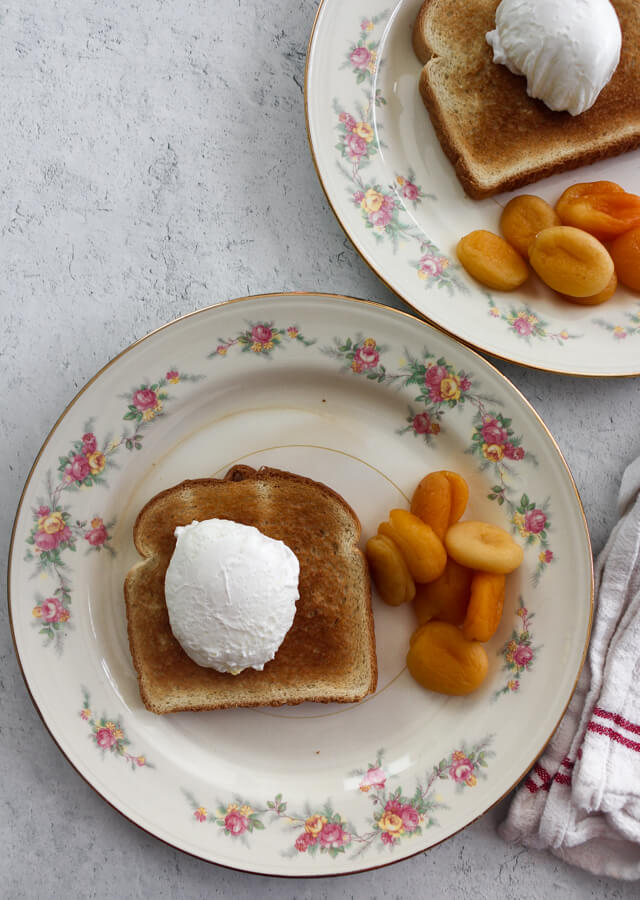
[(262, 334), (534, 521), (373, 778), (235, 822), (78, 468), (145, 399), (522, 655), (357, 146), (105, 738), (548, 556), (382, 216), (493, 432), (433, 378), (360, 57), (304, 841), (89, 443), (523, 326), (52, 609), (512, 452), (333, 835), (422, 424), (43, 511), (46, 541), (387, 838), (432, 265), (461, 768), (98, 533), (347, 120), (393, 806), (358, 197), (410, 191), (366, 358), (410, 818)]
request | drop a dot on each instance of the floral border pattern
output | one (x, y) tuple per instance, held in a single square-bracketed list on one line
[(109, 737), (54, 533), (621, 332), (518, 652), (395, 816), (261, 338)]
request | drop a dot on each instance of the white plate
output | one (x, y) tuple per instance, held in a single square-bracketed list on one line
[(318, 385), (397, 197)]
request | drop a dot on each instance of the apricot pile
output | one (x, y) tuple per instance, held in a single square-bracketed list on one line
[(453, 571), (581, 249)]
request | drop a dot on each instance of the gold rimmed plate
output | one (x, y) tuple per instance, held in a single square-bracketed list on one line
[(367, 400)]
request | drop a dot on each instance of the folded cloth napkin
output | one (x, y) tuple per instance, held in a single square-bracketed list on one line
[(581, 800)]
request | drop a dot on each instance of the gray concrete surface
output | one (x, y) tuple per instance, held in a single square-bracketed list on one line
[(153, 159)]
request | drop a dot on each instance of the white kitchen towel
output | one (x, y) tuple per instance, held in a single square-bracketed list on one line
[(582, 798)]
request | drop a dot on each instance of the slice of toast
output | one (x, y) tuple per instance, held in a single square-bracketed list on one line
[(496, 136), (328, 655)]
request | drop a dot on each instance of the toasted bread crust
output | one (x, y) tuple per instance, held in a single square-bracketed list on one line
[(498, 138), (329, 653)]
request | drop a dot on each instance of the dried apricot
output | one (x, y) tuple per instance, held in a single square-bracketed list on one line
[(571, 261), (523, 217), (492, 261), (389, 571), (625, 251), (431, 502), (459, 495), (602, 208), (441, 659), (485, 606), (440, 499), (595, 299), (420, 546), (447, 597), (484, 547)]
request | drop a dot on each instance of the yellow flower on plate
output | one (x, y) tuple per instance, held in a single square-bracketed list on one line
[(364, 131), (245, 810), (372, 200), (313, 825), (450, 387), (148, 415), (52, 523), (256, 347), (391, 822), (96, 462), (37, 612)]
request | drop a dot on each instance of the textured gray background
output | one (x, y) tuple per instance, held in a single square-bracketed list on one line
[(153, 159)]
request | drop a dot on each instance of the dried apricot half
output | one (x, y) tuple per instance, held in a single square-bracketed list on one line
[(441, 659), (492, 261)]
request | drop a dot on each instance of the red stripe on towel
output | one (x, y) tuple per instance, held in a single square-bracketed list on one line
[(614, 736), (547, 779), (619, 720)]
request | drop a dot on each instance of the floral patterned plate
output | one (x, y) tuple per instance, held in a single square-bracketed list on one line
[(397, 197), (368, 400)]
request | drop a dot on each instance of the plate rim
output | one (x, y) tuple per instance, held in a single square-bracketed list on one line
[(376, 269), (313, 295)]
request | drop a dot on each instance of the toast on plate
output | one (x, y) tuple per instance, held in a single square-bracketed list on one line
[(328, 655), (496, 136)]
